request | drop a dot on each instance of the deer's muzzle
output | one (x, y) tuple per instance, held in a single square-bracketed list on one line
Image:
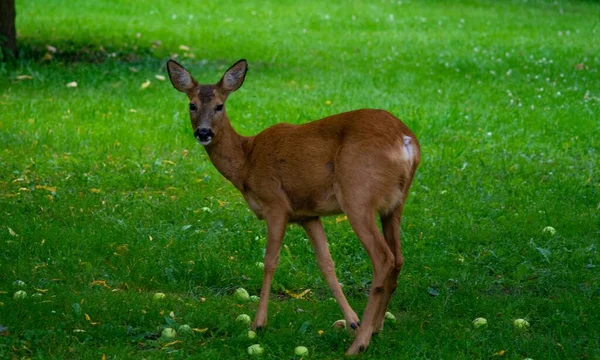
[(204, 135)]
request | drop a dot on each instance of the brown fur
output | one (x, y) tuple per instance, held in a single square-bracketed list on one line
[(360, 163)]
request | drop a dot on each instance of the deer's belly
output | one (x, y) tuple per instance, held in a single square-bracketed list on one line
[(323, 203), (300, 208)]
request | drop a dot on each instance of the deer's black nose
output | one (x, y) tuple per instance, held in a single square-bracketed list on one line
[(203, 135)]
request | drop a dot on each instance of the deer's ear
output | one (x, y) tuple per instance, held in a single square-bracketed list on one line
[(181, 79), (234, 77)]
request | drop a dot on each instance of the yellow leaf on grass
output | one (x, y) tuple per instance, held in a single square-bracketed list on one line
[(184, 48), (145, 84), (41, 290), (200, 330), (24, 77), (172, 343), (103, 356), (160, 77), (44, 187), (500, 353), (12, 232), (297, 296), (341, 218), (100, 283), (88, 318), (94, 190), (72, 84)]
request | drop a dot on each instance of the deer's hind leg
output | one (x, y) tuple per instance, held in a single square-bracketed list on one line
[(390, 224), (363, 223)]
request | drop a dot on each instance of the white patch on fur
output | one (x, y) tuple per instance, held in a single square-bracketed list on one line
[(402, 151), (409, 147)]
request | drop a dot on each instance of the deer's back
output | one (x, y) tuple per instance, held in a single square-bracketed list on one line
[(302, 164)]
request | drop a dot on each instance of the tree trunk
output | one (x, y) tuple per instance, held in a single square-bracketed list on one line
[(8, 33)]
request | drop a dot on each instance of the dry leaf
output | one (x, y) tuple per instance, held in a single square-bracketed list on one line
[(87, 317), (12, 232), (200, 330), (145, 84), (72, 84), (100, 283), (49, 188), (94, 190), (341, 218), (51, 49), (297, 296), (500, 353), (184, 48), (47, 56), (160, 77), (24, 77), (172, 343), (103, 357)]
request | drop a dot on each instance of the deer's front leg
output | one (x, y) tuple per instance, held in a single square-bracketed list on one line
[(318, 239), (275, 231)]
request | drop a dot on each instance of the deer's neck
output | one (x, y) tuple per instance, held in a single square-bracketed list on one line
[(228, 155)]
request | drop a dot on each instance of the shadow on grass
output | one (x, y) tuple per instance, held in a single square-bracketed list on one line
[(151, 56)]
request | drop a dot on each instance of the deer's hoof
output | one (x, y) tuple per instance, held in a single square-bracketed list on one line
[(353, 350), (260, 329)]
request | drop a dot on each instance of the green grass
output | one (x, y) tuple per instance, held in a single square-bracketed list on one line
[(105, 182)]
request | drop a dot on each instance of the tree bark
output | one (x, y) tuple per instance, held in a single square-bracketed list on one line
[(8, 33)]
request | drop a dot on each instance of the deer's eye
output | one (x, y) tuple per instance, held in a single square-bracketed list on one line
[(219, 107), (193, 107)]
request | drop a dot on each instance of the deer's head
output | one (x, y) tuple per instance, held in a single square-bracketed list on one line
[(207, 102)]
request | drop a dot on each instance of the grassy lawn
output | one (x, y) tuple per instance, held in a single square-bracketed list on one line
[(106, 198)]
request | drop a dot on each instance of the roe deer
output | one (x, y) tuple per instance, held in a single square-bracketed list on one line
[(360, 163)]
